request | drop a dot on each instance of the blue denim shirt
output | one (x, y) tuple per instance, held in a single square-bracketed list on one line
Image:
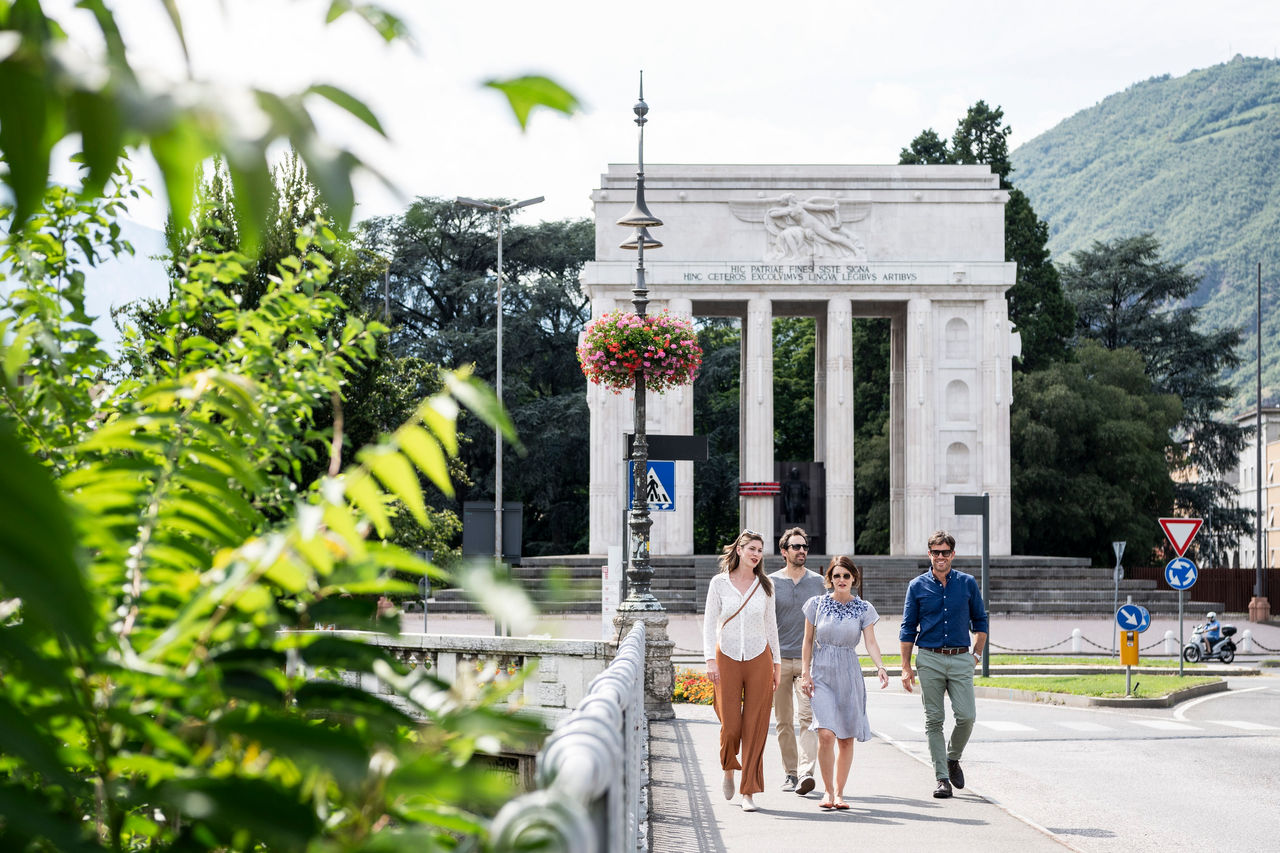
[(934, 615)]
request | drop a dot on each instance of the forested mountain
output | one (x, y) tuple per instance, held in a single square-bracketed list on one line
[(1196, 161)]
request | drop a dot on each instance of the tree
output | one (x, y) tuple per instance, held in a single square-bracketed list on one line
[(1125, 296), (151, 602), (99, 97), (716, 403), (1037, 307), (793, 366), (1088, 442), (442, 263), (378, 396)]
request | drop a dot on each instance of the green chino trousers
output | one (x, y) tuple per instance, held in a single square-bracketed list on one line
[(946, 675)]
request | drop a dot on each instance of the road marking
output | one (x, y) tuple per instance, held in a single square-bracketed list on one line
[(1005, 726), (1088, 727), (918, 728), (1244, 724), (1181, 712), (1168, 725)]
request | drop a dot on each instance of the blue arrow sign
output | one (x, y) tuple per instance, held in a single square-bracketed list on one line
[(1133, 617), (1180, 573)]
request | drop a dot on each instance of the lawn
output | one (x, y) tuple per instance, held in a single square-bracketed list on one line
[(1103, 684)]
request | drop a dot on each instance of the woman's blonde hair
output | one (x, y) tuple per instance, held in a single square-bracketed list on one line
[(729, 559)]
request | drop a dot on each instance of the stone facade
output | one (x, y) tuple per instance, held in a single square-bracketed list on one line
[(920, 245)]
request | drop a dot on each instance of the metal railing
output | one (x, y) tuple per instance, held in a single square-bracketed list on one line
[(590, 796)]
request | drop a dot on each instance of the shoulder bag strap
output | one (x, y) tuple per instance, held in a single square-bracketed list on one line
[(744, 604)]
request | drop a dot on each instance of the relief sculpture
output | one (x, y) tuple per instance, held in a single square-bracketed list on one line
[(809, 230)]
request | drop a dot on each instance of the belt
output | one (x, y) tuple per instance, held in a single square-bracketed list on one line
[(949, 650)]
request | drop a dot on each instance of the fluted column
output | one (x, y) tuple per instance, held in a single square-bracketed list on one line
[(819, 390), (897, 434), (671, 413), (839, 452), (757, 416), (920, 416), (608, 489), (993, 422)]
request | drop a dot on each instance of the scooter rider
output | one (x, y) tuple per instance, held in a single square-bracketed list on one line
[(1212, 631)]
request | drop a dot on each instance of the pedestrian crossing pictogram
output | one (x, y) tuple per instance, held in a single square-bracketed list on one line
[(660, 490)]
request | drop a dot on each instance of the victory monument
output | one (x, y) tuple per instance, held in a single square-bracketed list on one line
[(920, 245)]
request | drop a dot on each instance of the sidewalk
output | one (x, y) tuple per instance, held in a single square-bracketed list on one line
[(890, 794)]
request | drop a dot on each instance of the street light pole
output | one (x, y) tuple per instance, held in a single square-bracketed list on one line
[(640, 603), (497, 210)]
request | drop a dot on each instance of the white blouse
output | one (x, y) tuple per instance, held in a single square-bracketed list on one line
[(750, 631)]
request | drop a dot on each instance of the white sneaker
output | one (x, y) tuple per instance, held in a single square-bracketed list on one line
[(728, 785), (748, 804)]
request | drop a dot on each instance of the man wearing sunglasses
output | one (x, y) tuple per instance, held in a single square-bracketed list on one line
[(942, 608), (793, 585)]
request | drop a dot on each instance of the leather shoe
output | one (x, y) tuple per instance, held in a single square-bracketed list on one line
[(729, 786), (943, 791), (805, 785), (956, 774)]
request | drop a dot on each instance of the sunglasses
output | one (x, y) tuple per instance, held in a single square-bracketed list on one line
[(941, 552), (842, 577), (798, 547)]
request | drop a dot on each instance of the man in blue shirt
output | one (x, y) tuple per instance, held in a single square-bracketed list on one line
[(942, 607)]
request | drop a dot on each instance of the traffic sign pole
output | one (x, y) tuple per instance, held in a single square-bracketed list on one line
[(1180, 673)]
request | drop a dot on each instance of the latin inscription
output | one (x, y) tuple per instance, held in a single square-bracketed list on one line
[(800, 274)]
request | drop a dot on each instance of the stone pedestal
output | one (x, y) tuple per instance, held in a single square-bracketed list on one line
[(1259, 609), (659, 674)]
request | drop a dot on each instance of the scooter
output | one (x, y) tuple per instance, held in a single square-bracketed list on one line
[(1223, 649)]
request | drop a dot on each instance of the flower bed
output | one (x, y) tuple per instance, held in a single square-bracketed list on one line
[(620, 344), (694, 687)]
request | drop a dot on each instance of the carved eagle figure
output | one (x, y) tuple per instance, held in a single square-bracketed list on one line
[(806, 229)]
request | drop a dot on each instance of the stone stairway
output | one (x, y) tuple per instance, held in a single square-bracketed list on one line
[(1051, 586)]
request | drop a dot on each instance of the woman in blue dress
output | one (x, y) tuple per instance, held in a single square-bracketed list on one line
[(831, 675)]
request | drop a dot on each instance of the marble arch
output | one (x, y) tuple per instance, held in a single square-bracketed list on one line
[(920, 245)]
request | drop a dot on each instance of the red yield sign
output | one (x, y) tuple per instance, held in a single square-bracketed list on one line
[(1180, 532)]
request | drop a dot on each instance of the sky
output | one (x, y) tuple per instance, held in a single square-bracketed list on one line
[(756, 81)]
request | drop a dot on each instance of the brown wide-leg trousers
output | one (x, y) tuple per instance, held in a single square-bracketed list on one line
[(744, 700)]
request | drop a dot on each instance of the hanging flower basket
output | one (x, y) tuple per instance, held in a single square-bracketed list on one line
[(620, 344)]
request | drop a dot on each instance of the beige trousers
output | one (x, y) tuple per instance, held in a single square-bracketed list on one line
[(794, 762)]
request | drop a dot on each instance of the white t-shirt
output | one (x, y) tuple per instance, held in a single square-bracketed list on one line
[(750, 631)]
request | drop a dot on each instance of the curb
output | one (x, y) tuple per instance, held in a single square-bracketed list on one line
[(1073, 701)]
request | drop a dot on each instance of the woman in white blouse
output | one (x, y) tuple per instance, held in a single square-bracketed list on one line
[(740, 643)]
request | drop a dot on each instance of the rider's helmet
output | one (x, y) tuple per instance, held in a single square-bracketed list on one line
[(1211, 616)]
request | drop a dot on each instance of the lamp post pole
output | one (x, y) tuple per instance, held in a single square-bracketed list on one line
[(640, 603), (497, 210)]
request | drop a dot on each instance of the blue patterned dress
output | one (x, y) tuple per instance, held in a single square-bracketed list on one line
[(839, 693)]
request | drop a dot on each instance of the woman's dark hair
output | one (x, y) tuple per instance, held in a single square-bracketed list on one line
[(843, 562)]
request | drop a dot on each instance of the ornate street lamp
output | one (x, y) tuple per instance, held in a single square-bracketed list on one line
[(640, 603)]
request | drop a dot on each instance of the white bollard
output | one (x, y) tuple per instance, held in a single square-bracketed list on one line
[(1077, 645), (1246, 642), (1170, 644)]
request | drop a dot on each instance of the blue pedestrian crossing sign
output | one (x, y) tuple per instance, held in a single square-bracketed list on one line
[(1180, 573), (1133, 617), (661, 492)]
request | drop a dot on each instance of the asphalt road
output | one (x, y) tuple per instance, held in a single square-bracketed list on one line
[(1203, 775)]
